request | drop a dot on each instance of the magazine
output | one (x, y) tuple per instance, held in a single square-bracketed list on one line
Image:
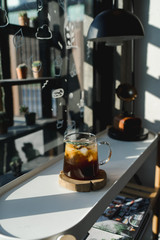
[(123, 218), (95, 234)]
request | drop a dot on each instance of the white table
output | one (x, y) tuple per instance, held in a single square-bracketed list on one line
[(39, 208)]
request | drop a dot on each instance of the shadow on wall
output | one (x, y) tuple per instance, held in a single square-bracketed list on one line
[(29, 151)]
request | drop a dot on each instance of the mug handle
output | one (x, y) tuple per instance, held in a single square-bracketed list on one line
[(110, 153)]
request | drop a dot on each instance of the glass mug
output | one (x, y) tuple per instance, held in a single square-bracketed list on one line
[(81, 156)]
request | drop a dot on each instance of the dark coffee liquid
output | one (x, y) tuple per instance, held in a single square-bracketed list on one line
[(81, 161)]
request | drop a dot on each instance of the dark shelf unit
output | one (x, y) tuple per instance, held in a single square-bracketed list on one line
[(42, 80), (19, 131)]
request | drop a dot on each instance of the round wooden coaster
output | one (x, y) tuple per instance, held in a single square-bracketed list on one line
[(66, 237), (83, 185)]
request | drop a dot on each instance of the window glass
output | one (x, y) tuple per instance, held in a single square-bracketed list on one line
[(56, 57), (18, 7)]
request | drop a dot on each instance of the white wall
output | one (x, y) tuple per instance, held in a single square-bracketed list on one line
[(148, 65), (147, 76)]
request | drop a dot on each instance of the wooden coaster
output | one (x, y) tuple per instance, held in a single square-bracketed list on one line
[(83, 185), (66, 237)]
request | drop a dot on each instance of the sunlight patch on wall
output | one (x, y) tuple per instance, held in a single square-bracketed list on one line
[(154, 10), (88, 75), (152, 103), (153, 56), (119, 50), (117, 100), (88, 116)]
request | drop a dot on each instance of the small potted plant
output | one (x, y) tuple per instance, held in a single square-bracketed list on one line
[(30, 117), (37, 69), (3, 122), (22, 71), (16, 165), (33, 22), (23, 19)]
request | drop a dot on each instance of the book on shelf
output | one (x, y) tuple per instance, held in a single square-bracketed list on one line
[(125, 218)]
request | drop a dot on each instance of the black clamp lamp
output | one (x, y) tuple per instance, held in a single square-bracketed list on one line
[(114, 26)]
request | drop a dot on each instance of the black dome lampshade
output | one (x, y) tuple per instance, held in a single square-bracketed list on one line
[(114, 26)]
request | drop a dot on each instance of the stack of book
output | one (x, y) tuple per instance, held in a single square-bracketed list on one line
[(124, 218)]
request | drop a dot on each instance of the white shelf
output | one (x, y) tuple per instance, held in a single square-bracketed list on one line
[(39, 208)]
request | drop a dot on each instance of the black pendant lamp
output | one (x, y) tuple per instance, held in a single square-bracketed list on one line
[(114, 26)]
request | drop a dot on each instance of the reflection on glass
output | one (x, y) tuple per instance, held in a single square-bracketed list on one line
[(43, 32), (18, 39), (70, 39), (60, 96)]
